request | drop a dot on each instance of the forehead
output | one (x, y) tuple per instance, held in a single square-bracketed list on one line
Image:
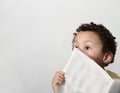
[(87, 36)]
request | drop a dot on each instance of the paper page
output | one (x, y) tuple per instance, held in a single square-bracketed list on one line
[(83, 75), (115, 87)]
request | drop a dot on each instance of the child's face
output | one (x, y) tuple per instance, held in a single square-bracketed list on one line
[(90, 44)]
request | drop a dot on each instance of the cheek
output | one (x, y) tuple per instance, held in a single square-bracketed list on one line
[(95, 55), (97, 58)]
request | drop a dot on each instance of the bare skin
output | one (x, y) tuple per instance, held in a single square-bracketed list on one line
[(58, 79), (91, 45)]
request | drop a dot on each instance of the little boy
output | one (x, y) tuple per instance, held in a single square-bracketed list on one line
[(96, 42)]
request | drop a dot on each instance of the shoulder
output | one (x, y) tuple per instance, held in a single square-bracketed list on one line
[(113, 74)]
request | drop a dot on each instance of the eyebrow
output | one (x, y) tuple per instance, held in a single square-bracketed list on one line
[(88, 41)]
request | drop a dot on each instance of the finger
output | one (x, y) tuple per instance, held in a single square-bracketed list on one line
[(59, 81), (60, 74)]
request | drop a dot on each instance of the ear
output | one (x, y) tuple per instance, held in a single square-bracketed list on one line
[(108, 56)]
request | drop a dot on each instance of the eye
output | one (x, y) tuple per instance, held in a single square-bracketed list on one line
[(87, 48), (76, 46)]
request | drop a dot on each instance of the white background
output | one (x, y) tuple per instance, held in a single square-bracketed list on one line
[(36, 35)]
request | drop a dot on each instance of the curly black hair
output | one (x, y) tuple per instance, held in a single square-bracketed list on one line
[(108, 40)]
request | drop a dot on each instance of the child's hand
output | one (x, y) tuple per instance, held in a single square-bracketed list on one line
[(58, 79)]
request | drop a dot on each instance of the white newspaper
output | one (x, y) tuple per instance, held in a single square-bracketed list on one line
[(115, 88), (83, 75)]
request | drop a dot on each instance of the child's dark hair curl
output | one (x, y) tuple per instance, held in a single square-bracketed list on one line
[(108, 40)]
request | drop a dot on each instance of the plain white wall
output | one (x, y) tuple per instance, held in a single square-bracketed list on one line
[(36, 35)]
